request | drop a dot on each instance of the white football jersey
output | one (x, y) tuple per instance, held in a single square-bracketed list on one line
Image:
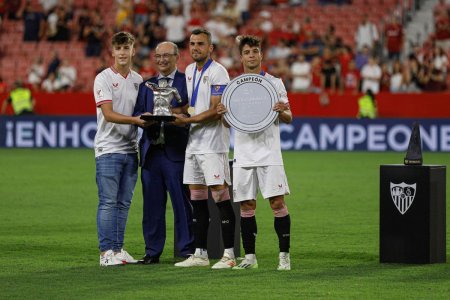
[(111, 86), (262, 148), (210, 137)]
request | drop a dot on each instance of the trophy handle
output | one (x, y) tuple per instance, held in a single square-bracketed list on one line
[(152, 86)]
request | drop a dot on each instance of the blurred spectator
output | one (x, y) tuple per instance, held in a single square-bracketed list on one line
[(21, 100), (440, 60), (396, 80), (147, 70), (141, 12), (124, 14), (329, 78), (279, 51), (36, 73), (367, 106), (366, 34), (362, 57), (442, 5), (34, 22), (430, 78), (54, 64), (385, 80), (83, 20), (301, 74), (344, 56), (3, 86), (281, 70), (243, 6), (330, 39), (316, 70), (393, 32), (312, 46), (442, 26), (94, 33), (218, 28), (175, 25), (350, 78), (265, 24), (305, 29), (371, 76), (48, 5), (50, 84), (67, 75), (231, 13), (13, 9), (58, 25)]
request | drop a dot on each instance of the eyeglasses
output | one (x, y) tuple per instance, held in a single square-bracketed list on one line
[(165, 56)]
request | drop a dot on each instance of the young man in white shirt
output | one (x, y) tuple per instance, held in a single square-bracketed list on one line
[(206, 163), (115, 92), (258, 163)]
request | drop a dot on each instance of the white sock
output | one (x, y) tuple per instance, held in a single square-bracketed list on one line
[(201, 252), (250, 257), (229, 252)]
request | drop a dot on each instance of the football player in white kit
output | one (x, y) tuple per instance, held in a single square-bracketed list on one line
[(115, 144), (258, 163), (206, 163)]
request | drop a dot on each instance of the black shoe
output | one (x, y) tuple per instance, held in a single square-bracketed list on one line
[(149, 260)]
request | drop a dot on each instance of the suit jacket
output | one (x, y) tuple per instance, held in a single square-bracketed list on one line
[(175, 137)]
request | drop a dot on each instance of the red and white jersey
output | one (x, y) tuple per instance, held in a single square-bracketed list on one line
[(111, 86), (210, 137), (262, 148)]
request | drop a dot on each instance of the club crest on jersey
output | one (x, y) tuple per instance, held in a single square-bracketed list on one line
[(136, 86), (99, 93), (189, 78), (403, 196), (217, 88), (205, 79), (115, 85)]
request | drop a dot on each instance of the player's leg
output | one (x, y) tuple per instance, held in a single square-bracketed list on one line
[(273, 185), (107, 177), (245, 188), (128, 179), (217, 176), (193, 176)]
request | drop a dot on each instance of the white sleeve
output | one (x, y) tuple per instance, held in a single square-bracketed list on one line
[(282, 93), (102, 90), (220, 76)]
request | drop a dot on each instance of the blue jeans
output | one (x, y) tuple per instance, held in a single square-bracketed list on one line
[(116, 176)]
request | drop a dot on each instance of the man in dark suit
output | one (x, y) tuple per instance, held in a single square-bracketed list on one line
[(162, 151)]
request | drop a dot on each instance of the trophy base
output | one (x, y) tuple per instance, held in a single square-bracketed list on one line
[(158, 118)]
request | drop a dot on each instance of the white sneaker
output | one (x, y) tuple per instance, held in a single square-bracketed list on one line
[(247, 264), (125, 257), (109, 259), (285, 262), (193, 261), (225, 263)]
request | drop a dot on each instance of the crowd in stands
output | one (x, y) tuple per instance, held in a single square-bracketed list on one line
[(307, 60)]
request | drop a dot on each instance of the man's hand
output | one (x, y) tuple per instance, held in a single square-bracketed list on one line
[(144, 123), (180, 119), (221, 109), (280, 107)]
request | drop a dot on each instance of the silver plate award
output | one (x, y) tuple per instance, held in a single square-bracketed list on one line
[(249, 99)]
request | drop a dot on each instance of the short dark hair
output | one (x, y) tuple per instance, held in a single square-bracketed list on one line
[(198, 31), (122, 38), (250, 40)]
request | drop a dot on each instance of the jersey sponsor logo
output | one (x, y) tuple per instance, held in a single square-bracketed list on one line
[(216, 176), (115, 85), (280, 186), (403, 196), (189, 78)]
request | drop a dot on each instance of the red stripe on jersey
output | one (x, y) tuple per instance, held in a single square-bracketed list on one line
[(103, 102)]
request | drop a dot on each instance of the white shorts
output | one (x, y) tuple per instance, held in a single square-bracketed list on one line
[(271, 181), (207, 169)]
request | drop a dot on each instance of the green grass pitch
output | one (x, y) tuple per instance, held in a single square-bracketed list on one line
[(49, 243)]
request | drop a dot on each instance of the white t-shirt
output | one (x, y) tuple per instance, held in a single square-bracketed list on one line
[(111, 86), (301, 71), (175, 26), (372, 72), (262, 148), (210, 137)]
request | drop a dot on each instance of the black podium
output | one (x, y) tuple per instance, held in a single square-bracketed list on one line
[(412, 214)]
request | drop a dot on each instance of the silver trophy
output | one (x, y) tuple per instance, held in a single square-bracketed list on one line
[(162, 97)]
